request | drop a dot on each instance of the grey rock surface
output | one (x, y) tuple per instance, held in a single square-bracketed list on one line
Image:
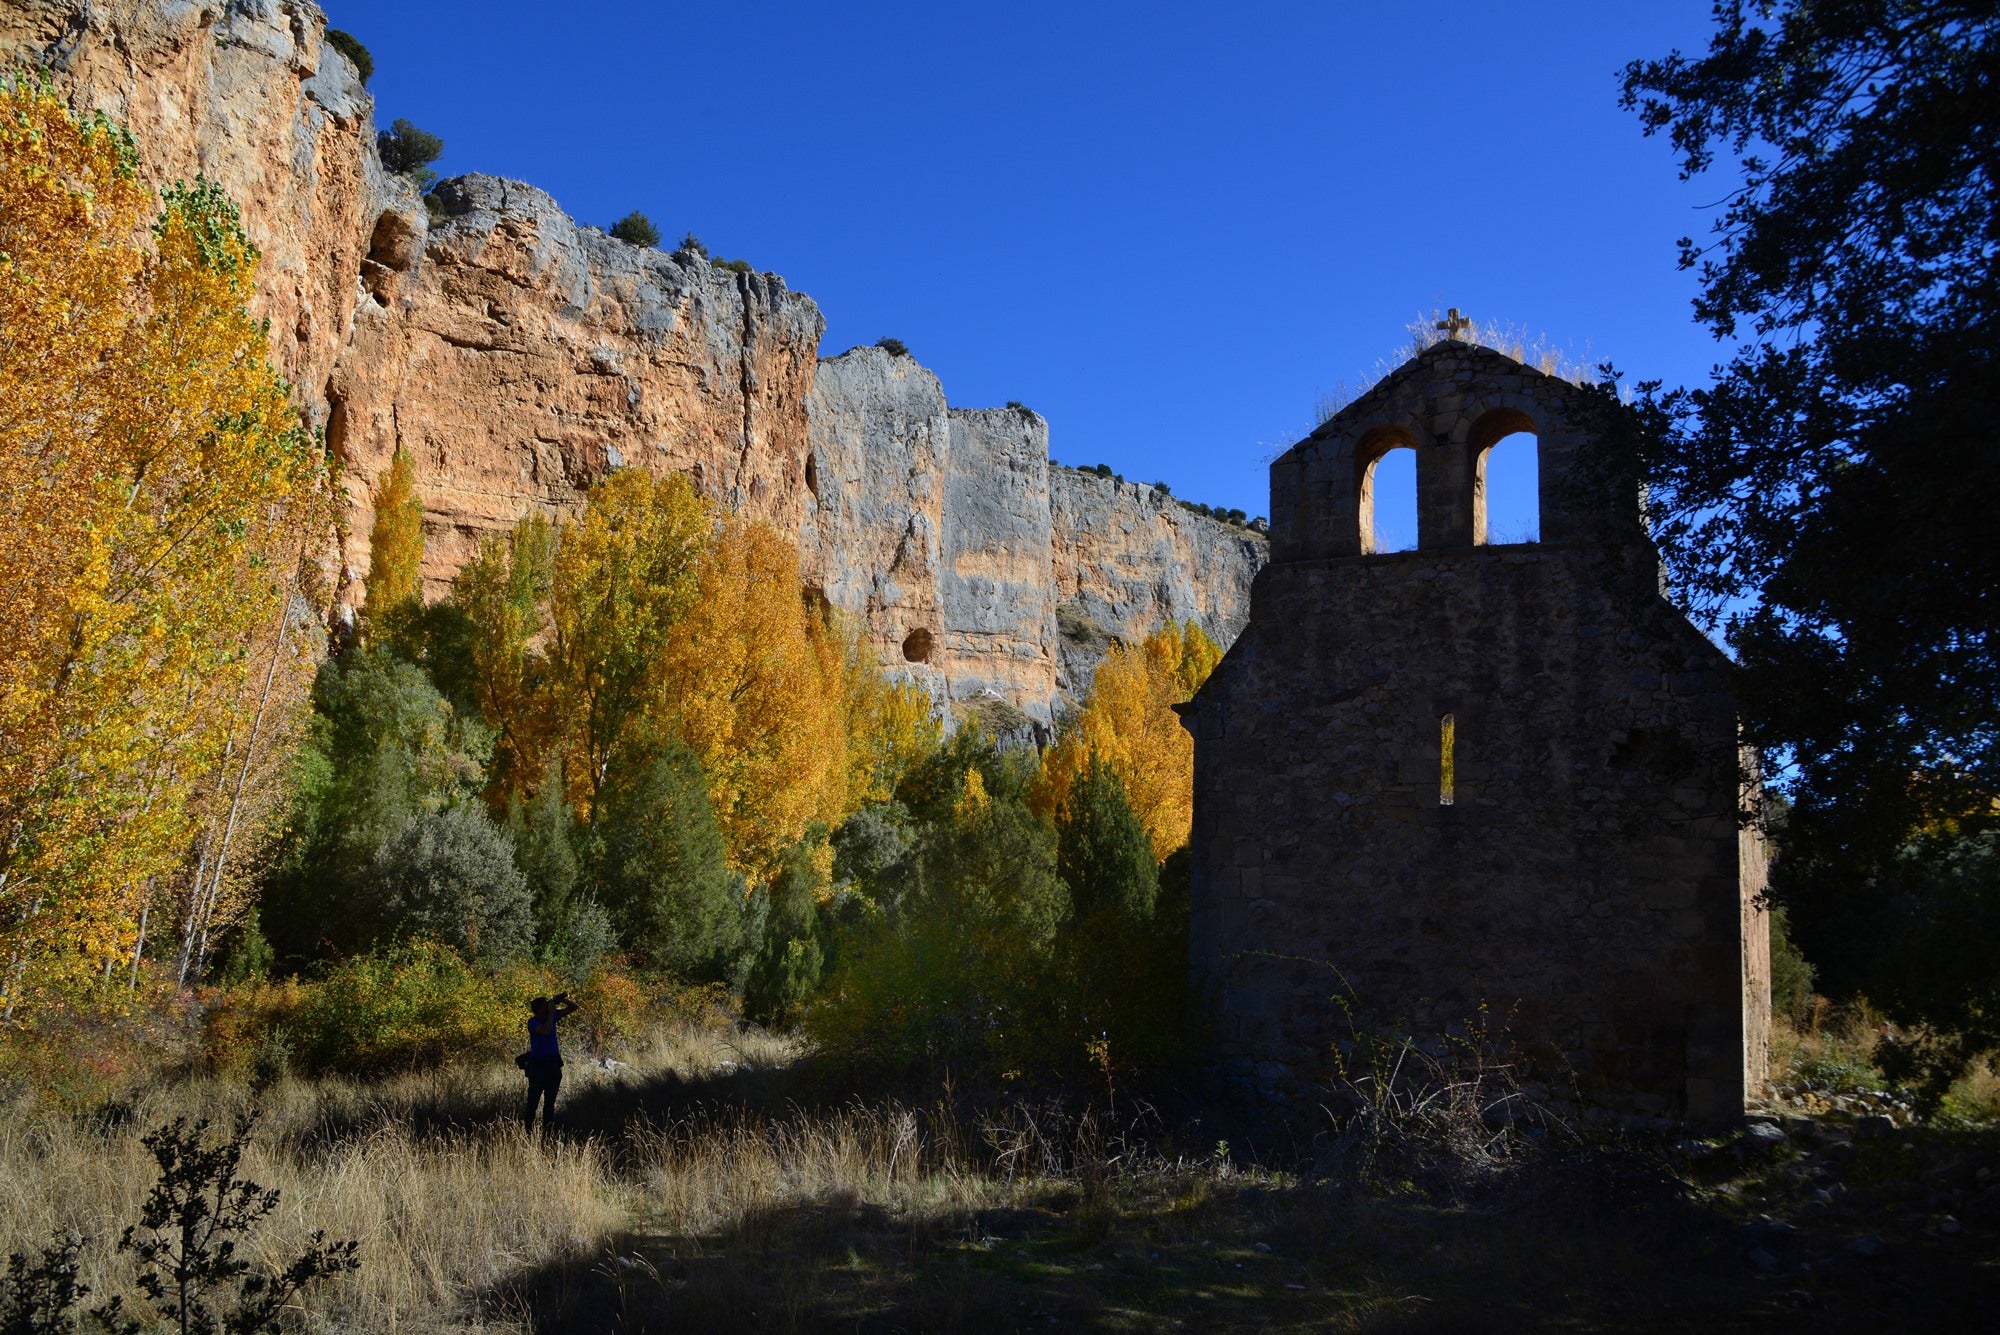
[(1128, 558), (878, 434), (997, 585)]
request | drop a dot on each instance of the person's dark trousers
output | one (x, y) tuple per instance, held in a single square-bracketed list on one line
[(544, 1079)]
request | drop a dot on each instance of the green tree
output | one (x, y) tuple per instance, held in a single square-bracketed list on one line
[(449, 876), (383, 747), (408, 151), (636, 229), (1104, 854), (959, 973), (546, 841), (663, 869), (1837, 473), (785, 970), (1124, 949)]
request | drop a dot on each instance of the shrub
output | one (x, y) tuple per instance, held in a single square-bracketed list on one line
[(636, 229), (450, 875), (691, 245), (735, 266), (612, 1006), (411, 1005), (39, 1296), (893, 346), (191, 1224), (350, 46), (1791, 975), (409, 151), (236, 1028)]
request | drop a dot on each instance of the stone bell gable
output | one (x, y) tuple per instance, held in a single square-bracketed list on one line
[(1475, 783)]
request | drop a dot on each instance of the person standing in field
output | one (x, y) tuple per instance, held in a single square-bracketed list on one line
[(543, 1060)]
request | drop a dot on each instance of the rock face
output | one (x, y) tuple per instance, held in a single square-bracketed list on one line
[(245, 93), (518, 356), (996, 578), (873, 536), (1128, 558)]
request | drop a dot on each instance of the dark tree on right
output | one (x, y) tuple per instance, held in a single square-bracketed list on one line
[(1830, 498)]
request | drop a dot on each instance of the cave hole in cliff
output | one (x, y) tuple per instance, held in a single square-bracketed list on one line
[(812, 476), (917, 646)]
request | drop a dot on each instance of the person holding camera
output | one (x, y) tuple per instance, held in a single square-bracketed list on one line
[(543, 1059)]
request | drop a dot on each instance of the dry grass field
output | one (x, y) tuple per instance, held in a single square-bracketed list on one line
[(715, 1183)]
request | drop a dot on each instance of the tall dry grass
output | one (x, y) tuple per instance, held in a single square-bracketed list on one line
[(440, 1214), (453, 1205)]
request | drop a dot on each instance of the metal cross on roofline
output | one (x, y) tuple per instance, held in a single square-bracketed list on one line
[(1453, 323)]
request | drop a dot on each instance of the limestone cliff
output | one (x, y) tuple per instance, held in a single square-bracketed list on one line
[(245, 93), (880, 433), (518, 356), (1127, 558)]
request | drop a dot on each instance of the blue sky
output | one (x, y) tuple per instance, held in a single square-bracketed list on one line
[(1168, 228)]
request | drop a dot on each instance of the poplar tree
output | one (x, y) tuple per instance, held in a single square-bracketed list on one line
[(159, 497)]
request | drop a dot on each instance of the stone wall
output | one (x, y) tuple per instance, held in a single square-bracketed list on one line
[(1587, 888)]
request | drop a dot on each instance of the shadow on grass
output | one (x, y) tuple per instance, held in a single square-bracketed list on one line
[(1570, 1249), (1613, 1237), (595, 1107)]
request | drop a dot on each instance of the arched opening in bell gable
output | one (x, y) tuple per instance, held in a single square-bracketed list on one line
[(1506, 479), (1387, 488)]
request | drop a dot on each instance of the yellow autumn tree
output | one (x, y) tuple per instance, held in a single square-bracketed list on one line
[(158, 494), (395, 542), (890, 725), (504, 592), (596, 642), (1129, 723), (754, 683), (621, 580)]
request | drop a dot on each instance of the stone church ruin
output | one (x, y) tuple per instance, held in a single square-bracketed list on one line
[(1475, 780)]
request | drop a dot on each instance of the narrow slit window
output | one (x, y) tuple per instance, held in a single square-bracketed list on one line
[(1447, 762)]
